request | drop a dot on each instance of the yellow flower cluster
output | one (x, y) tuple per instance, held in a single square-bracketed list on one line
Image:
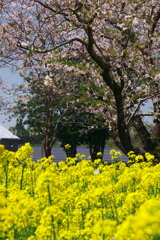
[(99, 154), (68, 201), (67, 146), (133, 158), (116, 155)]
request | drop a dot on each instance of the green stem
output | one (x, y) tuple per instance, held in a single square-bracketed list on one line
[(54, 233), (52, 218), (6, 183), (32, 184), (49, 196), (21, 181)]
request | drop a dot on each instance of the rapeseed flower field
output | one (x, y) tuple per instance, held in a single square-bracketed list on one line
[(78, 199)]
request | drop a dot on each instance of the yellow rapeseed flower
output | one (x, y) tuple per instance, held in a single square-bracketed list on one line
[(67, 146), (87, 200), (2, 149)]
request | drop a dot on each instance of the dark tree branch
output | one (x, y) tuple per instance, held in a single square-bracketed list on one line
[(144, 115), (45, 5), (137, 107), (143, 133), (156, 19), (121, 77), (52, 49)]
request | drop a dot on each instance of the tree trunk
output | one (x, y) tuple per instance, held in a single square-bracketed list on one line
[(123, 139), (47, 147), (95, 148), (143, 133), (72, 151), (122, 128), (50, 138), (117, 141), (156, 131), (117, 87)]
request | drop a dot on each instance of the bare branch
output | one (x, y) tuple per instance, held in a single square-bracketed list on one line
[(91, 42), (144, 115), (133, 114), (56, 47)]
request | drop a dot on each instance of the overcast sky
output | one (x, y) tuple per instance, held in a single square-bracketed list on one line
[(11, 78)]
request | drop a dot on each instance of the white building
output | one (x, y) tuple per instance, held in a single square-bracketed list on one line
[(8, 139)]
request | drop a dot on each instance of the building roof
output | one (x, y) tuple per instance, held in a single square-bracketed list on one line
[(6, 134)]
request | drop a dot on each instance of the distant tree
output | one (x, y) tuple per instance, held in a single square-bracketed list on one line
[(95, 133), (13, 130), (96, 139), (49, 100), (21, 132), (42, 105), (85, 128), (69, 133)]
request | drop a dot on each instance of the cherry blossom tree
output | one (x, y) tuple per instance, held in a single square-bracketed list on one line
[(49, 98), (43, 104), (119, 42)]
